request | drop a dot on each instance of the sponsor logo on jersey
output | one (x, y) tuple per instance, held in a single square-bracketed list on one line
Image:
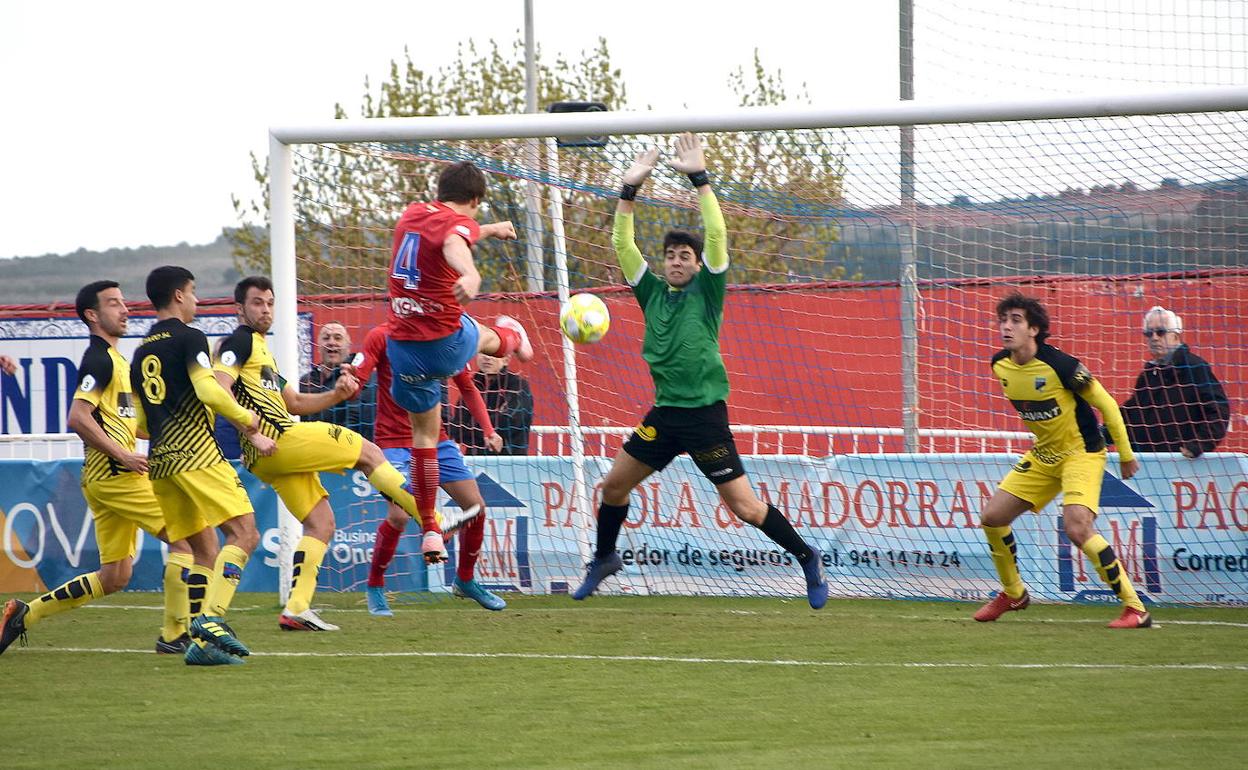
[(1037, 411), (125, 406), (1041, 382), (269, 379)]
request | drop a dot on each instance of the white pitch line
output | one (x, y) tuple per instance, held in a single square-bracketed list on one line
[(931, 618), (705, 661), (1156, 622)]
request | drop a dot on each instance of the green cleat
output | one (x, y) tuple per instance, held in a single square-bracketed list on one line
[(213, 630), (209, 655)]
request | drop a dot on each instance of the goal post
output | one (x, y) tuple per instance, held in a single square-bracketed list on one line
[(857, 326)]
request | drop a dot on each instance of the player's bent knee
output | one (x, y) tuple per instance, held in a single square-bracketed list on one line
[(371, 457), (397, 517), (115, 576)]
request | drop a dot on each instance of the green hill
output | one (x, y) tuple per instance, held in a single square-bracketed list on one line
[(57, 277)]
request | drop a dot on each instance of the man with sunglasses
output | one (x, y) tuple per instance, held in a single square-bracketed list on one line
[(1178, 404)]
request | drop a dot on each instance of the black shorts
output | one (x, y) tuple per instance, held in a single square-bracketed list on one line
[(667, 431)]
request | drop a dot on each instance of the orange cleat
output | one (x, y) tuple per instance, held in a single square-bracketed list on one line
[(1000, 605), (1132, 618)]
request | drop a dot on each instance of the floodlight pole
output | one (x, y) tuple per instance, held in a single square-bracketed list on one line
[(534, 237)]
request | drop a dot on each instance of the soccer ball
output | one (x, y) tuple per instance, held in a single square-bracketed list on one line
[(584, 318)]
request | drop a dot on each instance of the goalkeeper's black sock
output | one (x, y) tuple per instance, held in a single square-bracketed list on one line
[(778, 528), (610, 519)]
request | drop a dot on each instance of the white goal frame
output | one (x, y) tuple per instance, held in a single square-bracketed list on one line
[(547, 126)]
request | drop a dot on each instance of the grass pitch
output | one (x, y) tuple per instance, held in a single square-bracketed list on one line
[(614, 682)]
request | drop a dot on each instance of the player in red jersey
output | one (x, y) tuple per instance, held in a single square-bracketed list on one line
[(432, 277), (393, 433)]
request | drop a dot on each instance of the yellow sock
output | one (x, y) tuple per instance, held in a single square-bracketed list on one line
[(177, 603), (74, 593), (1111, 571), (225, 576), (307, 563), (388, 481), (197, 580), (1005, 559)]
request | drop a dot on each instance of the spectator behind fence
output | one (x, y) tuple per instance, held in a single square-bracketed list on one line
[(1178, 404), (509, 401), (358, 414)]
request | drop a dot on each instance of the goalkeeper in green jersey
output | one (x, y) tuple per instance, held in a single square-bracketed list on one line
[(683, 312)]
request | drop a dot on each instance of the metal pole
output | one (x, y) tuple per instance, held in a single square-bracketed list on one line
[(576, 434), (285, 317), (534, 236), (906, 241)]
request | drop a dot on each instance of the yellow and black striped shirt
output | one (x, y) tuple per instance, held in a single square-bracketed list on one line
[(166, 365), (104, 383), (245, 356)]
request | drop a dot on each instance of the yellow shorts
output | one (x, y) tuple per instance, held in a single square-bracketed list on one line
[(1077, 477), (121, 505), (303, 451), (195, 500)]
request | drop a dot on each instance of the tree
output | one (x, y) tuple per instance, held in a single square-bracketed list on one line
[(347, 197)]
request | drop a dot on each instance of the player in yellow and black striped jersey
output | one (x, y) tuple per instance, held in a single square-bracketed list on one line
[(1054, 394), (114, 480), (198, 489), (245, 365)]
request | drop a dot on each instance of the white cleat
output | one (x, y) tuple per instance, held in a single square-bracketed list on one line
[(454, 522), (307, 620), (525, 351)]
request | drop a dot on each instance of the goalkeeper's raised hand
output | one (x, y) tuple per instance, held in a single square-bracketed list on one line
[(643, 164), (689, 158)]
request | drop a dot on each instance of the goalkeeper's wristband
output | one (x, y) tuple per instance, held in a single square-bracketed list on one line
[(699, 178), (629, 191)]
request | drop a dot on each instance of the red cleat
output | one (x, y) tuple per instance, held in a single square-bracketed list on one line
[(1001, 605), (525, 350), (1132, 618)]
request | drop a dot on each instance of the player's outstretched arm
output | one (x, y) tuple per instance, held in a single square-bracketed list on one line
[(689, 159), (626, 251), (476, 407), (217, 398), (1096, 395), (345, 387)]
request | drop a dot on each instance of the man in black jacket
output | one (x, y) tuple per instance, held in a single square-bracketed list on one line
[(509, 400), (1178, 404)]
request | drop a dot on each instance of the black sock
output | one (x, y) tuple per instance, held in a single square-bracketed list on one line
[(610, 519), (778, 528)]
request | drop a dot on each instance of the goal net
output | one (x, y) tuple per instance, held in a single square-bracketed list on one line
[(858, 329)]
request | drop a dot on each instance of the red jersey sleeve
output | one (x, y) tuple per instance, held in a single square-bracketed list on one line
[(472, 397)]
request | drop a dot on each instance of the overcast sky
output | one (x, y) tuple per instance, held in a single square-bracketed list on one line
[(129, 124)]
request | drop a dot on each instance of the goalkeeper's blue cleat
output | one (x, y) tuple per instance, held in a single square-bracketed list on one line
[(597, 571), (471, 589), (816, 583), (213, 630), (208, 655), (13, 623), (377, 603)]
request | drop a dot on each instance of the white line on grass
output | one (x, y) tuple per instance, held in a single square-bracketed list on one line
[(704, 661), (933, 618), (1156, 623)]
